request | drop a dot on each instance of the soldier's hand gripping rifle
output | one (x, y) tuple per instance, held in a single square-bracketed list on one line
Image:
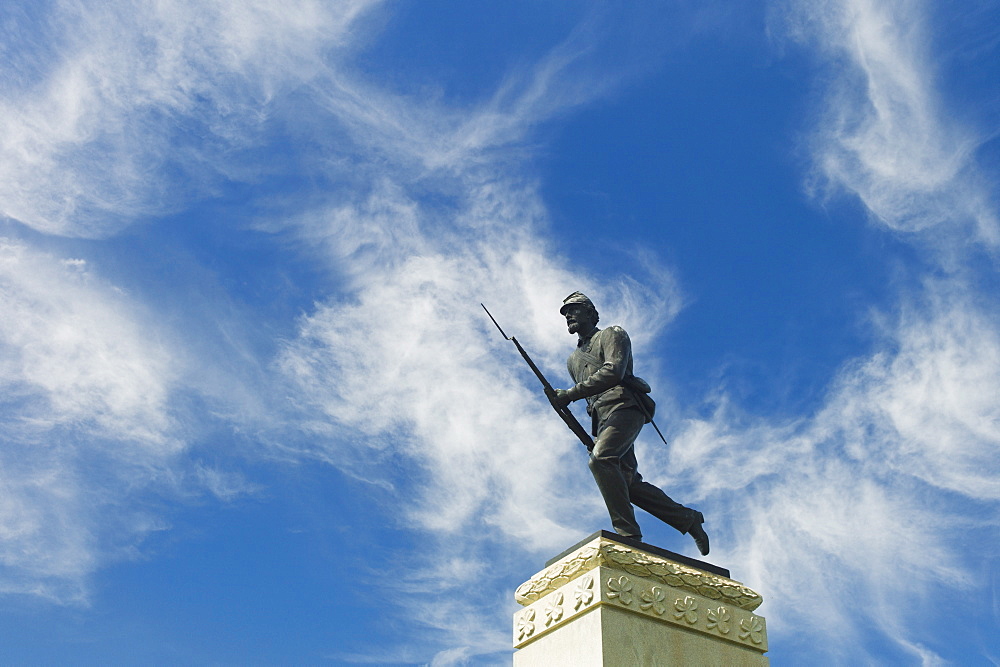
[(563, 412)]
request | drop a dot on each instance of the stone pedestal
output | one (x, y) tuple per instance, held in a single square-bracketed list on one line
[(612, 601)]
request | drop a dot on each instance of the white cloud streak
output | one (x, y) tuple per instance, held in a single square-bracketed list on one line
[(91, 144), (444, 412), (404, 360), (95, 431), (124, 97), (884, 133), (69, 338), (930, 404), (402, 381), (860, 499), (86, 392)]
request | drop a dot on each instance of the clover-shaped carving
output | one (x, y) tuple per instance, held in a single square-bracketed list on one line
[(686, 609), (525, 627), (753, 628), (719, 618), (653, 599), (620, 588), (554, 610), (584, 593)]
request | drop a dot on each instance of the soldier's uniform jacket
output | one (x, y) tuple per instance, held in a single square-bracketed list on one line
[(598, 365)]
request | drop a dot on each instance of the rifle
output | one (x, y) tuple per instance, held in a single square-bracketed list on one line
[(563, 412)]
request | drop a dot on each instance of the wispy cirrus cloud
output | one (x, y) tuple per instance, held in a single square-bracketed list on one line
[(428, 215), (867, 494), (132, 109), (927, 398), (869, 498), (396, 376), (441, 410), (68, 337), (86, 400), (135, 105), (443, 413), (884, 132)]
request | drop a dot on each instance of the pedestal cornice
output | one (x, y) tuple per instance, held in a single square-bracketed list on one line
[(605, 551)]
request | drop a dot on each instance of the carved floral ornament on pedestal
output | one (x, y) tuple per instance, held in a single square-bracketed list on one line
[(686, 609), (584, 593), (526, 625), (554, 610), (753, 628), (639, 564), (647, 584), (716, 619), (643, 597), (620, 588), (653, 599)]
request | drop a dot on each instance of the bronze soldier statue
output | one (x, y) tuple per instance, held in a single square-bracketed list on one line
[(617, 401)]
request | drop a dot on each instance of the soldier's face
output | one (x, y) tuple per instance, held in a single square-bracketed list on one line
[(579, 318)]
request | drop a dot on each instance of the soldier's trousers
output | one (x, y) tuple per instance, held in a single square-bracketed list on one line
[(614, 467)]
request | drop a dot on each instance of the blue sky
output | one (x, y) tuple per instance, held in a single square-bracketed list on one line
[(251, 411)]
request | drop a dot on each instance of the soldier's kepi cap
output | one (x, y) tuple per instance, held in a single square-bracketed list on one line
[(574, 298)]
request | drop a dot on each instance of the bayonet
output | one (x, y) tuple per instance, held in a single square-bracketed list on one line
[(564, 413)]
